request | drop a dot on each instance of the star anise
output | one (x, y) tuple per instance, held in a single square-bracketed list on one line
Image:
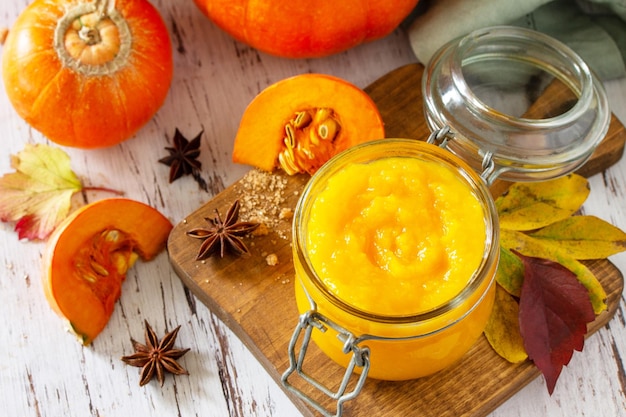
[(183, 159), (223, 234), (156, 357)]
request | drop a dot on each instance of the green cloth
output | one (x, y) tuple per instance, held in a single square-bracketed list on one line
[(595, 29)]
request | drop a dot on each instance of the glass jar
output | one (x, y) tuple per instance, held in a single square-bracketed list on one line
[(518, 97), (363, 332), (476, 101)]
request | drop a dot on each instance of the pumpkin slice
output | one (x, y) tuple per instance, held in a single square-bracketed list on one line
[(301, 122), (88, 254)]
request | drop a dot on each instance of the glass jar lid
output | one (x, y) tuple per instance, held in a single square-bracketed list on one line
[(517, 99)]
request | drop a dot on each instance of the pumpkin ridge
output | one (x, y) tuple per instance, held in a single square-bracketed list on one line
[(38, 115), (293, 30)]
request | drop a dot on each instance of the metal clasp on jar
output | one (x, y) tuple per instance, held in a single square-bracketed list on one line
[(307, 323), (442, 136)]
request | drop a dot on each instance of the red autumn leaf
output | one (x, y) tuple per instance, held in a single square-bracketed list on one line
[(553, 315)]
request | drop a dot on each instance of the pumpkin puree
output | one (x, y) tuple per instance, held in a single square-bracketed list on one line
[(397, 236)]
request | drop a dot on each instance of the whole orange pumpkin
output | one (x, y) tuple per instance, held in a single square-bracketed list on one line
[(296, 29), (87, 74)]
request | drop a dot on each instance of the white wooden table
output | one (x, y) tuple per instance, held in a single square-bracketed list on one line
[(45, 372)]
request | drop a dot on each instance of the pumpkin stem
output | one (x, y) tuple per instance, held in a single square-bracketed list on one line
[(93, 38), (103, 189), (89, 33)]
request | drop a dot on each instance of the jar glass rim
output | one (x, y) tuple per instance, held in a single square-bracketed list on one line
[(468, 45), (409, 148)]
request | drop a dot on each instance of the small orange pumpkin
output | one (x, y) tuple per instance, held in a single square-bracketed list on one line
[(87, 74), (296, 29), (300, 122), (87, 256)]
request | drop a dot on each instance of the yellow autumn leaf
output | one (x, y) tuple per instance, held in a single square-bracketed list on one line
[(510, 272), (502, 330), (530, 246), (583, 237), (529, 206)]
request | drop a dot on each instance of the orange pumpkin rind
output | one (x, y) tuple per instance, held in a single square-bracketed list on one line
[(87, 256), (300, 122), (293, 29)]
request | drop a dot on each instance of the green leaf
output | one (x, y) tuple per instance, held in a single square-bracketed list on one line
[(38, 195), (502, 330), (583, 237), (530, 246), (529, 206)]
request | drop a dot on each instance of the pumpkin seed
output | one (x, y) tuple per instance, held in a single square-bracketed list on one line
[(308, 137), (302, 120), (287, 163), (99, 269), (328, 129), (290, 139)]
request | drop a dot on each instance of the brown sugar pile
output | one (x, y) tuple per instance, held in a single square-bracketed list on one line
[(262, 198)]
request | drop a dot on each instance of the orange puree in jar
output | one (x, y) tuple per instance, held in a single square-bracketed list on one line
[(396, 247), (396, 236)]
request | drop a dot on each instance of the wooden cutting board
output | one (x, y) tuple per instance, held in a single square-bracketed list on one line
[(256, 299)]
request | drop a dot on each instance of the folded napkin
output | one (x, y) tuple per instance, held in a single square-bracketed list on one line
[(595, 29)]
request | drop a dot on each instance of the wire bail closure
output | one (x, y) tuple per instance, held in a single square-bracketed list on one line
[(360, 358), (441, 137)]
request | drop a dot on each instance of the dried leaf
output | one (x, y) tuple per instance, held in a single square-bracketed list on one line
[(584, 237), (38, 195), (536, 223), (529, 206), (529, 246), (502, 330), (554, 312), (510, 272)]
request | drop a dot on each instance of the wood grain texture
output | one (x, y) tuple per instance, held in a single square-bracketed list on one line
[(44, 372), (257, 302)]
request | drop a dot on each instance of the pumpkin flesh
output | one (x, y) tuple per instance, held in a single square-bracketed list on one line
[(88, 255), (338, 115), (91, 84)]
